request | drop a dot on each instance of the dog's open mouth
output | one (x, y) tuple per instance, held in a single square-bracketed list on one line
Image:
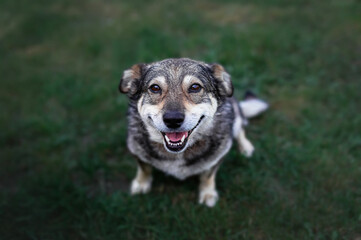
[(176, 141)]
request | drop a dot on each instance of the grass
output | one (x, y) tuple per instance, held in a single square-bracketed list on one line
[(64, 167)]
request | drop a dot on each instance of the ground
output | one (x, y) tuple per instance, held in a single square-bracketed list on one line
[(64, 167)]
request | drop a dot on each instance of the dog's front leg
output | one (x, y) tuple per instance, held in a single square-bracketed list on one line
[(207, 189), (142, 182)]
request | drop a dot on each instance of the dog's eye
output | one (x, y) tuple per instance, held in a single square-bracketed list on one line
[(195, 88), (155, 88)]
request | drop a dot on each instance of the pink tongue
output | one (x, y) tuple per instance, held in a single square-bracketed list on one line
[(176, 136)]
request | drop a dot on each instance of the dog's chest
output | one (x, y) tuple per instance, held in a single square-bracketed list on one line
[(176, 167), (181, 165)]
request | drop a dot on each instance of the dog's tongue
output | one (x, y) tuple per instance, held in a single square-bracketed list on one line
[(176, 136)]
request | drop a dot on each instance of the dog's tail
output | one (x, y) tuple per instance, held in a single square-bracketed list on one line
[(251, 105)]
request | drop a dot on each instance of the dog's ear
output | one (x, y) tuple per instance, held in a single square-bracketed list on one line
[(130, 81), (224, 83)]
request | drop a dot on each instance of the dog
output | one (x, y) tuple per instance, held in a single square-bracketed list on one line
[(182, 120)]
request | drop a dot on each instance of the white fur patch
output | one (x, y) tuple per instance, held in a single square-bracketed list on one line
[(189, 79), (208, 197), (140, 187), (253, 107), (247, 148), (154, 112), (238, 121), (142, 183), (159, 80)]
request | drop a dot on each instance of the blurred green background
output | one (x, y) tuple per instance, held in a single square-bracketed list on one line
[(64, 167)]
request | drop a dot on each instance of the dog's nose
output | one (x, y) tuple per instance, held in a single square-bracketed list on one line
[(173, 119)]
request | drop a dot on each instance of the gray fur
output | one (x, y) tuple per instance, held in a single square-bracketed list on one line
[(210, 133)]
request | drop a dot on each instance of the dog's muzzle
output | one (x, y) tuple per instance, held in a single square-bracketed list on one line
[(176, 141)]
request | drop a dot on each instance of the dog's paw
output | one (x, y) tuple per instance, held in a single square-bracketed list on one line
[(247, 148), (208, 197), (140, 187)]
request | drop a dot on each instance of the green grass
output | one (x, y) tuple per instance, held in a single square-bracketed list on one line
[(64, 166)]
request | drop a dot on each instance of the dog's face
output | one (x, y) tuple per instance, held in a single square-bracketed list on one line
[(177, 99)]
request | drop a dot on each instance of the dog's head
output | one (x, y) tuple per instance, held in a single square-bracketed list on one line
[(177, 98)]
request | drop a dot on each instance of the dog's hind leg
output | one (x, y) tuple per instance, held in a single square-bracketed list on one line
[(207, 189), (143, 180), (244, 145)]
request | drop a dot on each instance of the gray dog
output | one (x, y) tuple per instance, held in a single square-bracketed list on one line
[(183, 119)]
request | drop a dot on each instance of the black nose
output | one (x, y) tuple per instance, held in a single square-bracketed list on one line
[(173, 119)]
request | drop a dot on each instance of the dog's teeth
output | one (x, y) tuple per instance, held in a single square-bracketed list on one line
[(174, 144), (166, 138)]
